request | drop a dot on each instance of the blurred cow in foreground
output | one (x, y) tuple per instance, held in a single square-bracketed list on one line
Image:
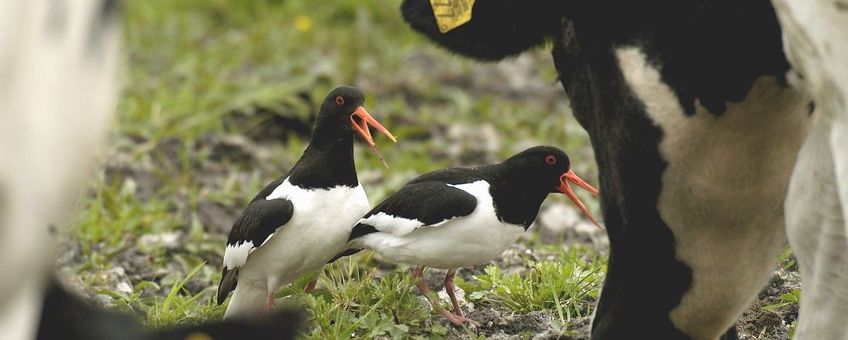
[(59, 62), (696, 119)]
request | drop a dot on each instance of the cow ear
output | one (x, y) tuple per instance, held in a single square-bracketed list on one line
[(497, 29)]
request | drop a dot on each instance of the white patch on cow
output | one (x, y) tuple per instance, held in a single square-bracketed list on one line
[(723, 189), (462, 241), (318, 230), (392, 224), (59, 79), (236, 254)]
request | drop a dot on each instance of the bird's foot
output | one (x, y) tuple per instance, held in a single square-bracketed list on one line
[(458, 320)]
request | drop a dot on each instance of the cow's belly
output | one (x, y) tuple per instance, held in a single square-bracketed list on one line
[(723, 189)]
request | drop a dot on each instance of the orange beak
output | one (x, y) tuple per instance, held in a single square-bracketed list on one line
[(361, 128), (564, 188)]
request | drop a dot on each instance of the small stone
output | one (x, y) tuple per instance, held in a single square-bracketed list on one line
[(168, 240), (460, 297), (104, 300), (556, 218), (473, 145), (125, 287), (234, 148)]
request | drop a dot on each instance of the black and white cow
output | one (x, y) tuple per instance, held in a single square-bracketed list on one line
[(696, 132)]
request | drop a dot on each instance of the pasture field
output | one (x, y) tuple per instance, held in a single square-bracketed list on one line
[(219, 98)]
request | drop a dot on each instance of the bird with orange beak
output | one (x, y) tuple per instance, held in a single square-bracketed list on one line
[(458, 217), (299, 221)]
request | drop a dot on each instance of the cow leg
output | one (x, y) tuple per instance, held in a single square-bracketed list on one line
[(816, 230), (715, 226), (817, 205)]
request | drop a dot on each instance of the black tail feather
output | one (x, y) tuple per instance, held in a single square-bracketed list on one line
[(229, 280), (347, 252)]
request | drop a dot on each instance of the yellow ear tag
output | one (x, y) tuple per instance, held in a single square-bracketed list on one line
[(451, 14)]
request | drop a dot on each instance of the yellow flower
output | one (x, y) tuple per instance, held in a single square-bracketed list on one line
[(198, 336), (302, 23)]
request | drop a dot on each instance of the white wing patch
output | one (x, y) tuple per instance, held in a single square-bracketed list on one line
[(391, 224), (291, 192), (236, 254)]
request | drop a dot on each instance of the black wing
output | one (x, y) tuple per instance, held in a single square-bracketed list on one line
[(256, 224), (427, 203), (259, 221)]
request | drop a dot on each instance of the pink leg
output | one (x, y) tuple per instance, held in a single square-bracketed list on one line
[(311, 286), (269, 305), (422, 286), (450, 288)]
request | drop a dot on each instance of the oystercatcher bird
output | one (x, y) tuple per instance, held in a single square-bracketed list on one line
[(459, 217), (299, 221)]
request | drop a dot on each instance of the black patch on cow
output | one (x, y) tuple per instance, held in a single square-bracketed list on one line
[(811, 106), (713, 51), (625, 143)]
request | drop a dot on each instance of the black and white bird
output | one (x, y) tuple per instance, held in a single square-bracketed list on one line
[(299, 221), (459, 217)]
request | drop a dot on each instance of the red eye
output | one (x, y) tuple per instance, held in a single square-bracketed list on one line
[(550, 159), (339, 100)]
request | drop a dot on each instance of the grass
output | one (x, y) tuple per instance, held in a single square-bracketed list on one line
[(566, 285), (201, 71), (198, 70)]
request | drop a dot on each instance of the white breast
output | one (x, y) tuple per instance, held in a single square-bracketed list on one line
[(318, 230)]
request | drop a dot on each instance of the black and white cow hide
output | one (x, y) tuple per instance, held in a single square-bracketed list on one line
[(695, 131)]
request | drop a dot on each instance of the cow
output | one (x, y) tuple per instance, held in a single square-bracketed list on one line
[(696, 128)]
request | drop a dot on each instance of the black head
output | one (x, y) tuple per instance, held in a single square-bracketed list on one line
[(343, 112), (547, 169), (539, 167), (337, 107)]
